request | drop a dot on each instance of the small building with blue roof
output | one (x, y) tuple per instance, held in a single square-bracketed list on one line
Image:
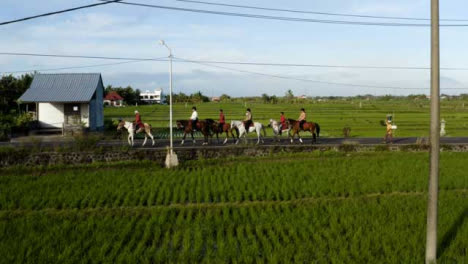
[(67, 99)]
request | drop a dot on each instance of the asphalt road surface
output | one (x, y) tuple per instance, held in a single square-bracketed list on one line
[(163, 143)]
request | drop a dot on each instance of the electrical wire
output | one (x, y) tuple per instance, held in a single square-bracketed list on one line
[(314, 12), (293, 19), (57, 12), (314, 81), (72, 67), (233, 62)]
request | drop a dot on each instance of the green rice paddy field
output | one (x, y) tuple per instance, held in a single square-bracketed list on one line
[(411, 117), (321, 207)]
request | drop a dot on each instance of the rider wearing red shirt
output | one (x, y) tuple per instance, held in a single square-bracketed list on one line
[(222, 119), (138, 123), (282, 122)]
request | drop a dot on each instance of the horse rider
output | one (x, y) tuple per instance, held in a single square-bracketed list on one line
[(222, 120), (194, 118), (248, 120), (138, 124), (282, 122), (389, 132), (302, 119)]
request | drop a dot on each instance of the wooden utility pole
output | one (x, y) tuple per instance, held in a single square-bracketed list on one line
[(431, 235)]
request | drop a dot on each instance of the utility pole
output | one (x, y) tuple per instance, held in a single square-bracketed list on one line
[(171, 157), (431, 233)]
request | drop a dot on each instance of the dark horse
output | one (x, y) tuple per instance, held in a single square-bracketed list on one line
[(226, 128), (203, 126), (312, 127)]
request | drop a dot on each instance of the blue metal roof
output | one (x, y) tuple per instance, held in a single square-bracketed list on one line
[(62, 87)]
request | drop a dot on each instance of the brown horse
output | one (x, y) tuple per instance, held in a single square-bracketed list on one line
[(202, 125), (312, 127), (226, 128)]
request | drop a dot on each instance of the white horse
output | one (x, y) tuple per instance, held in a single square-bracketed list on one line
[(132, 132), (278, 129), (257, 127)]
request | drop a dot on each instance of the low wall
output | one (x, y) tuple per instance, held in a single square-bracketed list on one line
[(26, 158)]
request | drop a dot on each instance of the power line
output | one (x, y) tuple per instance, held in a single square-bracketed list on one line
[(73, 67), (313, 81), (293, 19), (315, 12), (57, 12), (81, 56), (321, 65), (230, 62), (204, 63)]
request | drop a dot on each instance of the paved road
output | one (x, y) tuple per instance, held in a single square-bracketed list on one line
[(162, 143), (285, 141)]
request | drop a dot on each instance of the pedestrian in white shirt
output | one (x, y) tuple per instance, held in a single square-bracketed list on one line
[(194, 118)]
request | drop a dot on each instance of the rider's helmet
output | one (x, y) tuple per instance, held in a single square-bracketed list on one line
[(302, 109), (248, 109), (282, 113), (136, 112), (194, 108), (220, 110)]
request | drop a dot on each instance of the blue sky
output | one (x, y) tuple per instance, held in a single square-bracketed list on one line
[(126, 31)]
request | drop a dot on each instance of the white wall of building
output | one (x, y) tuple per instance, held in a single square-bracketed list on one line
[(51, 115), (85, 114), (152, 97)]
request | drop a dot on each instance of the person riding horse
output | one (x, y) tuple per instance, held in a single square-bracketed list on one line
[(302, 119), (194, 118), (282, 123), (138, 123), (222, 120), (248, 121)]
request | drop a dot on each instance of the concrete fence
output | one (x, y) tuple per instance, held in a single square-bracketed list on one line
[(24, 157)]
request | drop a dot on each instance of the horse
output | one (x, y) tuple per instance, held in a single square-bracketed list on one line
[(275, 125), (202, 125), (257, 127), (226, 128), (312, 127), (131, 131)]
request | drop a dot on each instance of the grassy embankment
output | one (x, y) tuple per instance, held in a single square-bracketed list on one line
[(319, 207)]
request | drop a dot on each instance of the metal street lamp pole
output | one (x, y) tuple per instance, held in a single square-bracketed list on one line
[(431, 233), (171, 160)]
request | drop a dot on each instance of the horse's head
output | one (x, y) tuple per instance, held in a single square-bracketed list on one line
[(271, 122), (179, 124), (121, 124)]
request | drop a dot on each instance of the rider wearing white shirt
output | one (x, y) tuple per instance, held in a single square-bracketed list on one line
[(194, 118)]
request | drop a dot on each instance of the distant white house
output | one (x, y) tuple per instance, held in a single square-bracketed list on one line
[(67, 100), (155, 97)]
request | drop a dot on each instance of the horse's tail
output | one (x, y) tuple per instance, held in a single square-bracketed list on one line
[(317, 128)]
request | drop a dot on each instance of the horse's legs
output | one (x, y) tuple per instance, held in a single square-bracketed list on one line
[(183, 139), (144, 141), (129, 141), (193, 139), (292, 136), (227, 136), (152, 137)]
